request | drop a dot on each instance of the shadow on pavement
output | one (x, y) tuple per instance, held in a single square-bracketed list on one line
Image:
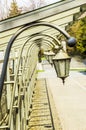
[(83, 72)]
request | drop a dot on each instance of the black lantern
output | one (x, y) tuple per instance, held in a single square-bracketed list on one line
[(62, 64)]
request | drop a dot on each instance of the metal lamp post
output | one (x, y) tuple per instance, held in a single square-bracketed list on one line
[(62, 64)]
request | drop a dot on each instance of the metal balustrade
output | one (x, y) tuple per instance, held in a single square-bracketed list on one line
[(19, 71), (18, 76), (18, 90), (18, 87)]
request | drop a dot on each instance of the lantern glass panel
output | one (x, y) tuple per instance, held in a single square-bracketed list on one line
[(56, 65), (67, 66), (62, 68), (62, 64)]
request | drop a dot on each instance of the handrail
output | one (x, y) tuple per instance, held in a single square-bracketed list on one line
[(57, 42), (13, 38), (16, 74), (14, 88)]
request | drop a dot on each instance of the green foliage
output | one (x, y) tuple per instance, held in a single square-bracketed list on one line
[(14, 10), (78, 30)]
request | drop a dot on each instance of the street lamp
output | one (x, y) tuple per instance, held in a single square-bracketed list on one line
[(49, 56), (62, 64), (46, 55)]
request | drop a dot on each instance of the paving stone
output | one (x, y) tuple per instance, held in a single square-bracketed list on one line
[(40, 118)]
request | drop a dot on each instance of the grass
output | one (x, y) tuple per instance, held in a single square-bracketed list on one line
[(78, 69), (40, 71)]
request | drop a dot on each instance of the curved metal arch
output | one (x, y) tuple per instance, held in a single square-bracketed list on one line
[(16, 74), (27, 26), (47, 43), (46, 35), (28, 53), (33, 44), (32, 36), (29, 49)]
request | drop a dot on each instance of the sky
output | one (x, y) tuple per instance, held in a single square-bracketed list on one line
[(26, 1), (5, 5)]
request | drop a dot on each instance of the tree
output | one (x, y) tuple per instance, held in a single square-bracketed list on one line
[(14, 10), (37, 4), (78, 30), (4, 9)]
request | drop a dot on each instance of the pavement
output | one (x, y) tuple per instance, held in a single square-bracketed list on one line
[(40, 114), (70, 98), (77, 62)]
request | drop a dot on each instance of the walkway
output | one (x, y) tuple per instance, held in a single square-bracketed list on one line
[(69, 99), (40, 117)]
